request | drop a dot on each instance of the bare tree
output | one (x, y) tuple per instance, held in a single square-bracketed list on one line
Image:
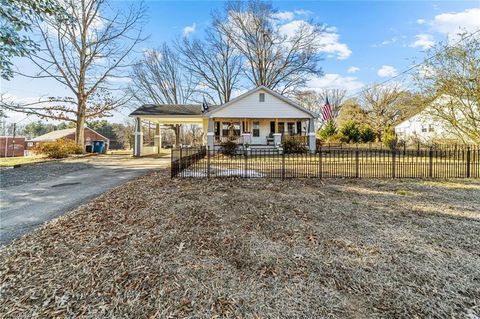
[(450, 79), (214, 62), (351, 111), (315, 100), (382, 107), (275, 58), (85, 55), (160, 78)]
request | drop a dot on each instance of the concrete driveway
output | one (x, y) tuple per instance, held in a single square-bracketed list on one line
[(32, 195)]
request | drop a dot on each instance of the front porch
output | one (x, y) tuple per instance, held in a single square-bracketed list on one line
[(255, 132), (259, 132)]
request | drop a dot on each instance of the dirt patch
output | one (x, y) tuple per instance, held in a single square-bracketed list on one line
[(166, 248)]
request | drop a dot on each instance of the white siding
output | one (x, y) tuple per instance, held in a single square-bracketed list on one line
[(423, 127), (251, 107)]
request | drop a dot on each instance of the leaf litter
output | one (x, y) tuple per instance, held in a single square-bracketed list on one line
[(253, 248)]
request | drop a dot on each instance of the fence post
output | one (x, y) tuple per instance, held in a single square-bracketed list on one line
[(283, 165), (208, 161), (320, 173), (356, 163), (394, 156), (172, 167), (468, 161), (180, 167), (430, 161), (246, 163)]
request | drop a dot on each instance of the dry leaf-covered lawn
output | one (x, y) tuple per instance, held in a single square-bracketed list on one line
[(161, 248)]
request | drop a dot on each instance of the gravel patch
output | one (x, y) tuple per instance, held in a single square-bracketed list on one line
[(37, 172), (237, 248)]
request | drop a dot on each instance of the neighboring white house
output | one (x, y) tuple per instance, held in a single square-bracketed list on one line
[(259, 118), (422, 127), (425, 127)]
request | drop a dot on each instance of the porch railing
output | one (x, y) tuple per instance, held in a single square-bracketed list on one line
[(223, 139), (301, 139)]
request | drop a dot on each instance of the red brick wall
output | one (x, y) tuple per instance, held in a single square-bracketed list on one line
[(19, 146), (92, 136), (89, 136)]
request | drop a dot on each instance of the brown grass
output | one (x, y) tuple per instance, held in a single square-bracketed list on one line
[(161, 248)]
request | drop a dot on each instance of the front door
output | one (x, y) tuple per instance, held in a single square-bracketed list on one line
[(256, 137)]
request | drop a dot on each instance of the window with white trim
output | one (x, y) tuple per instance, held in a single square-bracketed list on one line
[(261, 97)]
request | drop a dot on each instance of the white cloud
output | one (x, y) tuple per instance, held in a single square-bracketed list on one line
[(353, 69), (425, 71), (421, 21), (387, 71), (423, 40), (303, 12), (13, 116), (455, 22), (284, 15), (189, 29), (331, 44), (290, 15), (335, 81), (329, 40)]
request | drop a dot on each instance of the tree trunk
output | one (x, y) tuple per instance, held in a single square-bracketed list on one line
[(80, 129)]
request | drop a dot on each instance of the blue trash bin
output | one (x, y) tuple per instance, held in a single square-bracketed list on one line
[(98, 147)]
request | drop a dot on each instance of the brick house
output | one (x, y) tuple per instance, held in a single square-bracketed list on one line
[(69, 133), (10, 146)]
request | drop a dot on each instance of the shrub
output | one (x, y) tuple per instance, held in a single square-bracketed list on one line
[(390, 140), (229, 147), (328, 131), (367, 135), (58, 149), (350, 132), (292, 146)]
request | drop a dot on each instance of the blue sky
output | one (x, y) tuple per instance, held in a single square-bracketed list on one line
[(366, 42)]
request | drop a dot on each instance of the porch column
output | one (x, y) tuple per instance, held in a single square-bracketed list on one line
[(312, 141), (138, 138), (210, 134), (158, 138)]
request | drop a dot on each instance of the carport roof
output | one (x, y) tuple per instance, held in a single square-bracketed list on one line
[(169, 109)]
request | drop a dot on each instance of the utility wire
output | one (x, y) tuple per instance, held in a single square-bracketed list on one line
[(412, 67)]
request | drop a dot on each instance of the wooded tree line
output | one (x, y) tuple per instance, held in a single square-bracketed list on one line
[(88, 48)]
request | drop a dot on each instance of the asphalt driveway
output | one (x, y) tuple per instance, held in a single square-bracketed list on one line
[(32, 195)]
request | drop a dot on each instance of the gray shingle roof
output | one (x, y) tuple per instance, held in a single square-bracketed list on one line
[(57, 134), (54, 135), (169, 109)]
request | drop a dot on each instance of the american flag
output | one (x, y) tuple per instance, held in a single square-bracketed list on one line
[(327, 111)]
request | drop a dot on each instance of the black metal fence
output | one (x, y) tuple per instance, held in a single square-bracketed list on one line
[(445, 161)]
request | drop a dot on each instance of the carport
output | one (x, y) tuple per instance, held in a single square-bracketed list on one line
[(163, 114)]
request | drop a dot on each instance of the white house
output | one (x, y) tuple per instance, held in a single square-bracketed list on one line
[(259, 118), (425, 127), (422, 126)]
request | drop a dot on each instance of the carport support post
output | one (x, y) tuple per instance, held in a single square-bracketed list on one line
[(158, 138), (210, 135), (311, 136), (138, 138)]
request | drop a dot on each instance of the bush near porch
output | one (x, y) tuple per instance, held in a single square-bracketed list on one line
[(234, 248)]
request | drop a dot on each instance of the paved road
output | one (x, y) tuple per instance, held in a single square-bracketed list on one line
[(51, 192)]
